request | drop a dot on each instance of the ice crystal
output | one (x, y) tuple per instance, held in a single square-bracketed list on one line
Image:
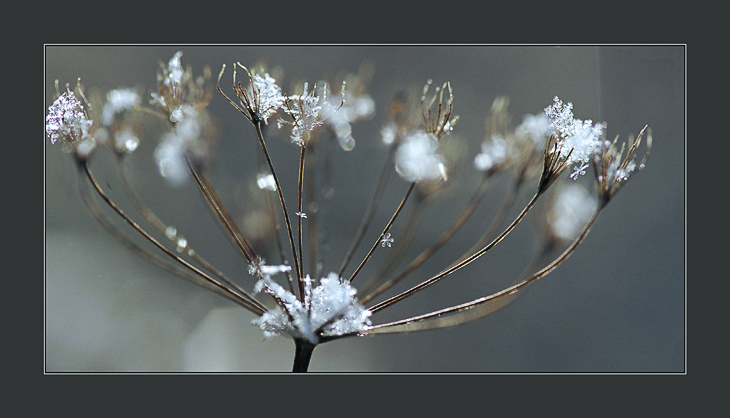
[(305, 109), (580, 139), (268, 95), (386, 240), (329, 309), (175, 70), (117, 101), (416, 158)]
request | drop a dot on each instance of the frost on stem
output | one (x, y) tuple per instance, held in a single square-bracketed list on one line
[(327, 310), (416, 158), (578, 140)]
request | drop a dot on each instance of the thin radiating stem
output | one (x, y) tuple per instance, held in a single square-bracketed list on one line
[(461, 264), (162, 227), (215, 203), (370, 211), (300, 210), (295, 257), (458, 222), (385, 230), (479, 308), (240, 299)]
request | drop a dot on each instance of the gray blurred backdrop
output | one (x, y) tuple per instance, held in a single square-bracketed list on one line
[(617, 305)]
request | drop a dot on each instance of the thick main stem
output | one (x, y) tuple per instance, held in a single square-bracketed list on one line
[(302, 355)]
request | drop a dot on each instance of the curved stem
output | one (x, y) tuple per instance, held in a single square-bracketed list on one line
[(162, 227), (240, 299), (369, 212), (300, 210), (295, 257), (440, 242), (461, 264), (479, 308)]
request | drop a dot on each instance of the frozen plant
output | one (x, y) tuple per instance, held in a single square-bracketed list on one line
[(296, 297)]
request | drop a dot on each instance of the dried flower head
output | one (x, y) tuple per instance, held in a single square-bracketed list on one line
[(260, 99), (308, 311), (438, 122), (613, 169), (580, 139), (69, 121), (417, 158), (176, 87)]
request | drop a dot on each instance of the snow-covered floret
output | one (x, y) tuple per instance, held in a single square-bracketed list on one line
[(175, 70), (305, 110), (339, 112), (268, 94), (570, 211), (578, 140), (182, 141), (614, 169), (329, 309), (493, 154), (118, 101), (416, 158), (68, 121)]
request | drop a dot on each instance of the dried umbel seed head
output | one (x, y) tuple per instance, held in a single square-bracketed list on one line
[(613, 169), (68, 121)]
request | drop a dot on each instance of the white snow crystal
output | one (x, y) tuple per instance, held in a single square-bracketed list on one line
[(582, 139)]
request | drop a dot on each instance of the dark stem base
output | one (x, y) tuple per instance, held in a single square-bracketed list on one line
[(302, 355)]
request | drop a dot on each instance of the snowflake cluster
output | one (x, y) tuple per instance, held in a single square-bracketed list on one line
[(175, 70), (494, 153), (268, 94), (117, 101), (170, 154), (416, 158), (329, 309), (581, 138), (305, 109), (68, 122)]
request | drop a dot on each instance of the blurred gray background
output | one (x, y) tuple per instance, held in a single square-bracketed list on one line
[(617, 305)]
